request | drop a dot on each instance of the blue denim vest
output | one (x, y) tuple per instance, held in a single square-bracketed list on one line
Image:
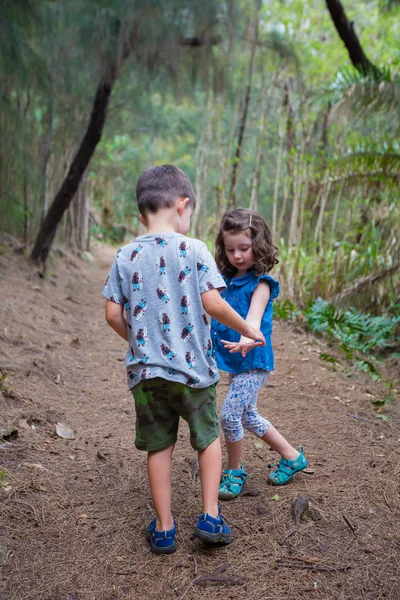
[(238, 294)]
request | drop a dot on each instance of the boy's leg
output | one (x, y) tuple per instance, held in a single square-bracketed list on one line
[(210, 463), (159, 468)]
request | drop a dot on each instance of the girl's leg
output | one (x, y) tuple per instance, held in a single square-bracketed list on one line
[(210, 463), (159, 468), (231, 420), (260, 426), (234, 450), (278, 443)]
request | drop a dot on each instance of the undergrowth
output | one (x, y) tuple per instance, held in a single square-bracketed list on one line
[(364, 339)]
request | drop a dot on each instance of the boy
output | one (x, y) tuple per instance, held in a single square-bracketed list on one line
[(159, 288)]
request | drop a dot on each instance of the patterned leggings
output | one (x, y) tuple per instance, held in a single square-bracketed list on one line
[(240, 406)]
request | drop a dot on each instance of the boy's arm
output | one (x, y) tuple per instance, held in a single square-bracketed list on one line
[(222, 312), (115, 318), (259, 301)]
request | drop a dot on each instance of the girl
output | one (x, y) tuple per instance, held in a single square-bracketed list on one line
[(244, 254)]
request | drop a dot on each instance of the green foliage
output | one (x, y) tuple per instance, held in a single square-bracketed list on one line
[(3, 478), (356, 332)]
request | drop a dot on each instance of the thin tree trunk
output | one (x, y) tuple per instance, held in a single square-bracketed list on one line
[(281, 133), (82, 158), (318, 228), (335, 215), (202, 164), (232, 194), (283, 207), (345, 29), (259, 152)]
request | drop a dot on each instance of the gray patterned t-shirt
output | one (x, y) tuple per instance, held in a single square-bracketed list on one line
[(159, 279)]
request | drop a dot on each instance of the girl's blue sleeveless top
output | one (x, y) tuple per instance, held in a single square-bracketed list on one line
[(238, 293)]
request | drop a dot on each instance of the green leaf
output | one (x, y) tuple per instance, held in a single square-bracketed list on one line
[(383, 417), (276, 497), (328, 358)]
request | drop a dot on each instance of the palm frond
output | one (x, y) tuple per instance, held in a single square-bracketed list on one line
[(367, 163), (362, 96)]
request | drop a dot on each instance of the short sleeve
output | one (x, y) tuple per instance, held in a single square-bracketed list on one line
[(273, 285), (112, 287), (208, 274)]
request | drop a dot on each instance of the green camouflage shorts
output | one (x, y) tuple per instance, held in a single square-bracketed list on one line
[(159, 403)]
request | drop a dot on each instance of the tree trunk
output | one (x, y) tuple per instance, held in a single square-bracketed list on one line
[(345, 29), (232, 195), (70, 184)]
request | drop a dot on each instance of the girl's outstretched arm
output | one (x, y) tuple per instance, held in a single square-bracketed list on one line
[(259, 301), (222, 312)]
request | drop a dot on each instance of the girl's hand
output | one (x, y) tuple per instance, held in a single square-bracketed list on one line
[(244, 345)]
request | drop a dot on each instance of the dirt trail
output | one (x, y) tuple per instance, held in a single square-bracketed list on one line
[(73, 512)]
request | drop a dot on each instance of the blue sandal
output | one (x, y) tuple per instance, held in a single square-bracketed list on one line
[(232, 482), (161, 542), (287, 468)]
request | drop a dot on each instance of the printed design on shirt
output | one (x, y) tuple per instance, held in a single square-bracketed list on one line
[(204, 317), (140, 309), (114, 298), (202, 266), (207, 347), (126, 303), (137, 253), (185, 275), (167, 350), (164, 321), (132, 376), (184, 249), (187, 332), (137, 281), (142, 337), (171, 371), (118, 252), (212, 373), (132, 357), (145, 374), (185, 305), (210, 286), (190, 359), (192, 381), (162, 242), (162, 293), (143, 360), (161, 265)]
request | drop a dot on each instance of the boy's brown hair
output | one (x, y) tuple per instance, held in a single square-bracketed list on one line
[(159, 187), (244, 220)]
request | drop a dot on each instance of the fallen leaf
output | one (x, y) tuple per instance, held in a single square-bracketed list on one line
[(83, 516), (63, 431), (276, 497), (30, 465)]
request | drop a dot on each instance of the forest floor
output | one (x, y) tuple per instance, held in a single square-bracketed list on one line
[(73, 511)]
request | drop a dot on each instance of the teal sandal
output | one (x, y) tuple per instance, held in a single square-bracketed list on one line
[(287, 468), (232, 482)]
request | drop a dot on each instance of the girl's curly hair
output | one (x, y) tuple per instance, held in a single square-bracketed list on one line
[(244, 220)]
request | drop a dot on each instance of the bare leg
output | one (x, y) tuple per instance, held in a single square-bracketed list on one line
[(280, 444), (234, 450), (159, 468), (210, 463)]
